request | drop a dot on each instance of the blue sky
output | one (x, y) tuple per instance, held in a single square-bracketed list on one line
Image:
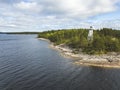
[(41, 15)]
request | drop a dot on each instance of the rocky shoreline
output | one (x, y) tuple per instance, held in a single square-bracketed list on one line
[(111, 60)]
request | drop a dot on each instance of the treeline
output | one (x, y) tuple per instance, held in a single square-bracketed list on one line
[(22, 32), (105, 40)]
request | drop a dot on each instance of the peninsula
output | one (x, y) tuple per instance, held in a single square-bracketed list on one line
[(102, 50)]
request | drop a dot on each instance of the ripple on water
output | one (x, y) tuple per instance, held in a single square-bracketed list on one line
[(27, 63)]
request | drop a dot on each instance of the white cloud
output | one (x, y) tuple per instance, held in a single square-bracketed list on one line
[(55, 14), (82, 8), (30, 6)]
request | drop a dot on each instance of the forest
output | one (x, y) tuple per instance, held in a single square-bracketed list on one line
[(104, 40), (21, 32)]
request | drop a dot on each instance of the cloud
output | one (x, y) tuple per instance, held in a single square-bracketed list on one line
[(9, 1), (68, 8), (56, 14), (78, 8), (30, 6)]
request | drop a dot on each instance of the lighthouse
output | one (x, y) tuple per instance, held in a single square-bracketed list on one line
[(90, 34)]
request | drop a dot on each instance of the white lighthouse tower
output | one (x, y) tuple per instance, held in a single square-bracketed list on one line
[(90, 34)]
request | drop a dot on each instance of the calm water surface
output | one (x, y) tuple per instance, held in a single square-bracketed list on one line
[(27, 63)]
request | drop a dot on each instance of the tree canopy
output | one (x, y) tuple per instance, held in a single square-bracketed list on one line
[(104, 40)]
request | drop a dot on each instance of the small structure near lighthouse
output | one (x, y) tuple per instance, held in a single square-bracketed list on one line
[(90, 34)]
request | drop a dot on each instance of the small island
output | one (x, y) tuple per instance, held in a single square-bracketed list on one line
[(102, 49)]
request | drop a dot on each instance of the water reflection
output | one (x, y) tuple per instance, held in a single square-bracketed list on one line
[(101, 79), (29, 64)]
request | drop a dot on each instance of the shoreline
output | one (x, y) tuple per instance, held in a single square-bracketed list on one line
[(105, 60)]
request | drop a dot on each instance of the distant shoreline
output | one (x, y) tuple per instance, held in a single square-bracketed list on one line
[(105, 60)]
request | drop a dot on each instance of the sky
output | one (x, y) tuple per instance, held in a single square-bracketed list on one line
[(42, 15)]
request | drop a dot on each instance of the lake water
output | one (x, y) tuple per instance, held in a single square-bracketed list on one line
[(27, 63)]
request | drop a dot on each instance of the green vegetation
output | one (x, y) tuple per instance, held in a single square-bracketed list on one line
[(22, 32), (105, 40)]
